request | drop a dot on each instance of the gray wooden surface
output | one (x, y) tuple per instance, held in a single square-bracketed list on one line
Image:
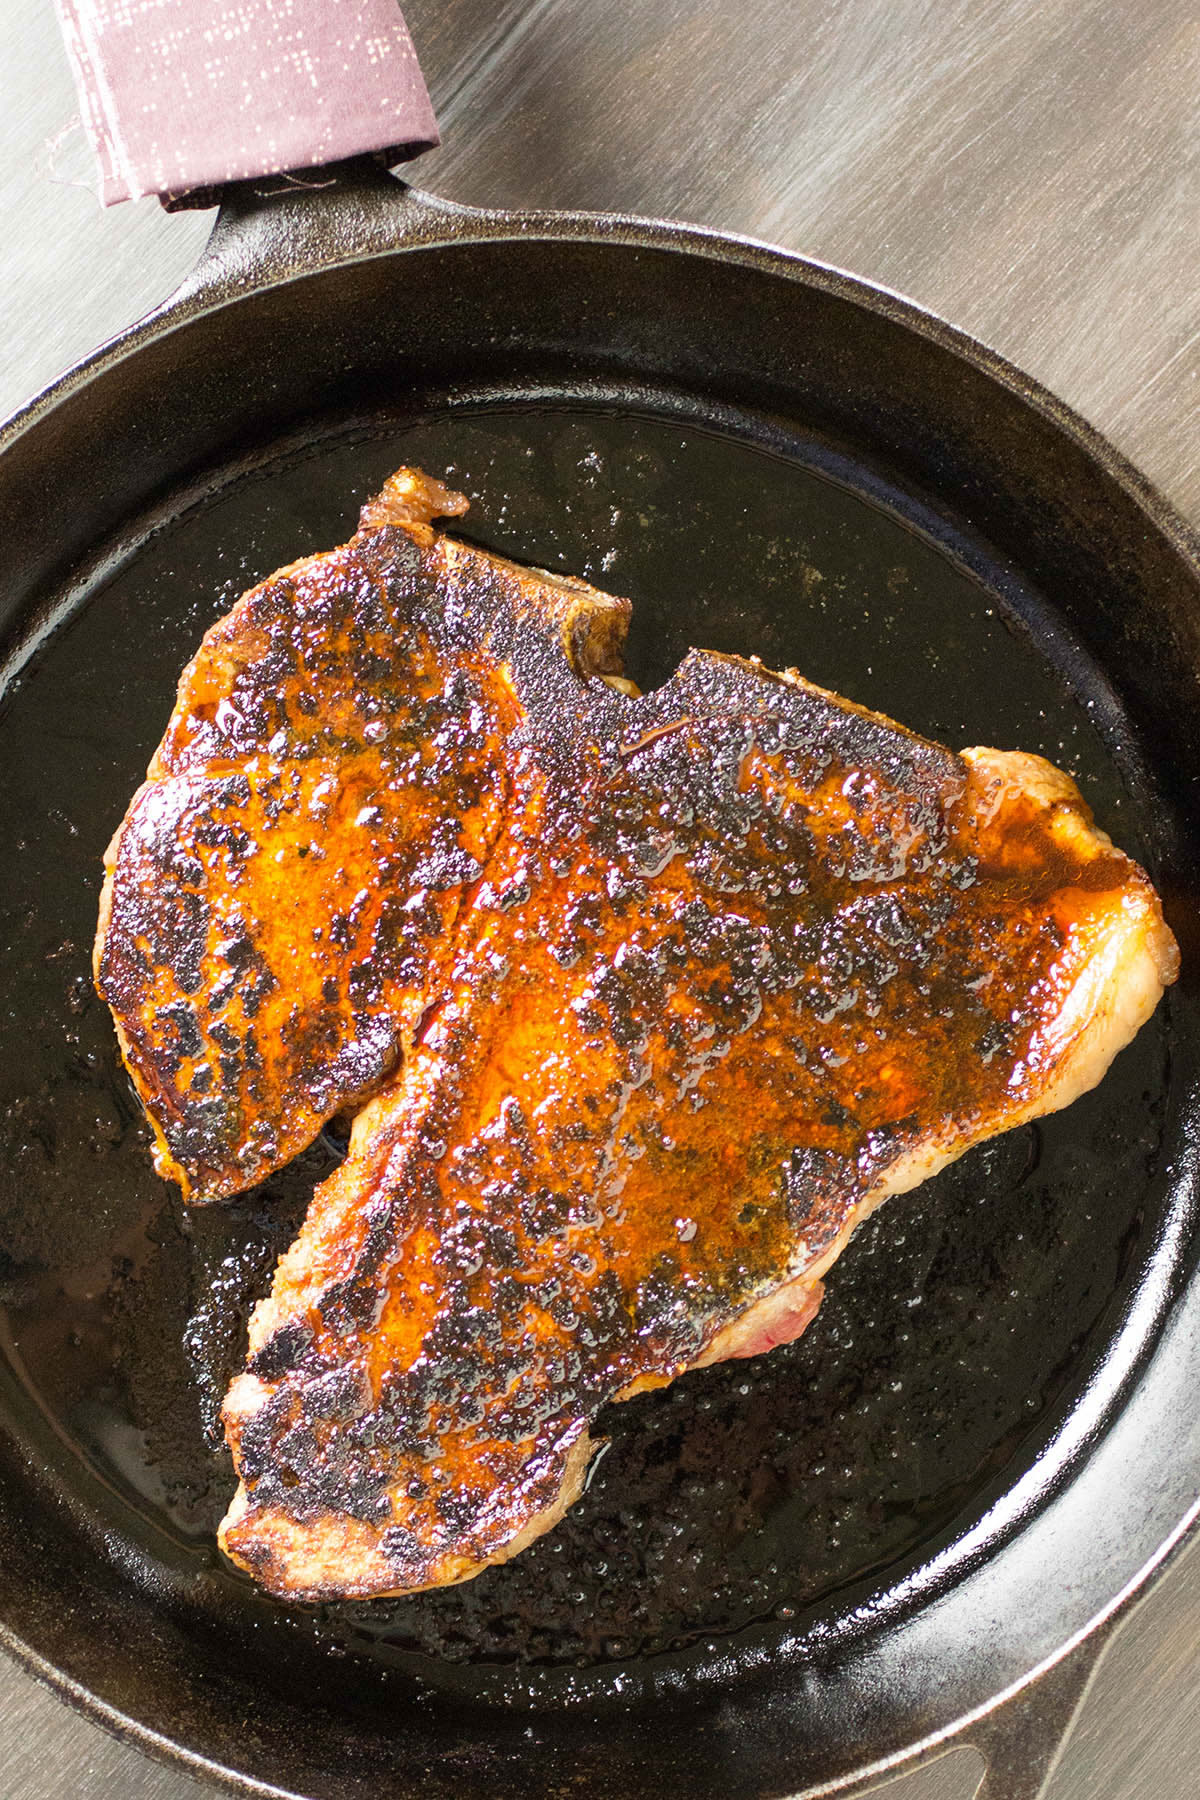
[(1028, 168)]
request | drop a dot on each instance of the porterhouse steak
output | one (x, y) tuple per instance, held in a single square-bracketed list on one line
[(640, 1002)]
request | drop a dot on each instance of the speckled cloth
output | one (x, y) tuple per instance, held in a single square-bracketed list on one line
[(184, 95)]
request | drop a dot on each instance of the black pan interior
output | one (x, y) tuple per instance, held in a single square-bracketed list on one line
[(748, 1493), (783, 1498)]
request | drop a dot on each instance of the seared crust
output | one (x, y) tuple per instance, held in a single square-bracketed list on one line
[(283, 891), (742, 960)]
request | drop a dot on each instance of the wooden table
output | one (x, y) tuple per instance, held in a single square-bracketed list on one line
[(1028, 168)]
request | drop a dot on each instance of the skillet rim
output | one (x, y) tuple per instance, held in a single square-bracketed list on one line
[(425, 221)]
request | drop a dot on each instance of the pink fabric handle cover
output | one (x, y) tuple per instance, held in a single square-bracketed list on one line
[(185, 94)]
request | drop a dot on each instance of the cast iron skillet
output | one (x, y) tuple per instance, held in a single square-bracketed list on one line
[(786, 1576)]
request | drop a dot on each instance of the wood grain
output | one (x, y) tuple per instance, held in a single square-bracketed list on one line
[(1027, 168)]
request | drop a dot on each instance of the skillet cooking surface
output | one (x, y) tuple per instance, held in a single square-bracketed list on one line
[(956, 1327)]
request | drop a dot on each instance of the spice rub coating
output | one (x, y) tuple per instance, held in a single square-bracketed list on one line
[(283, 890), (739, 960)]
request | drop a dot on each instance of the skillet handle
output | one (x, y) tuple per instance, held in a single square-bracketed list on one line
[(1023, 1738), (180, 97), (280, 226)]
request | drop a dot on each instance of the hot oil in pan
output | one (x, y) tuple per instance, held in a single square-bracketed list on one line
[(754, 1491)]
